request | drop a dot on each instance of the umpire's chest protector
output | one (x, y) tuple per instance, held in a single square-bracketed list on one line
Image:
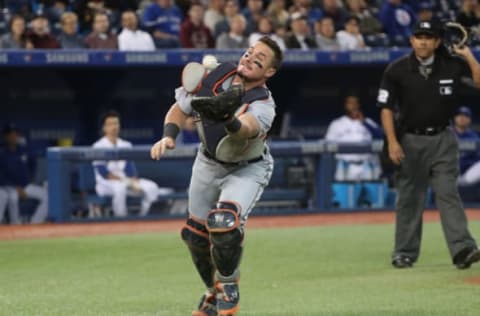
[(213, 135)]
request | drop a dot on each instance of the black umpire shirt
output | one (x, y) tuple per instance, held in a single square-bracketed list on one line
[(423, 100)]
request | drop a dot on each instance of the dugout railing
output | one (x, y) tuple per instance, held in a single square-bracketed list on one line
[(60, 162)]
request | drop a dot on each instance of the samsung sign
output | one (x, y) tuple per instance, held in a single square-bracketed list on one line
[(67, 58), (369, 57), (143, 58)]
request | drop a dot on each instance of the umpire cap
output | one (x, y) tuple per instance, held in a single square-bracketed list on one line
[(426, 28)]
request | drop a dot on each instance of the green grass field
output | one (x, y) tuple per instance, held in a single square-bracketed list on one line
[(334, 271)]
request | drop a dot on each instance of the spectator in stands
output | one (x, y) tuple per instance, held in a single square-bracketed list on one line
[(397, 19), (223, 26), (193, 32), (54, 10), (368, 23), (332, 9), (16, 5), (469, 14), (252, 13), (235, 38), (19, 7), (87, 9), (325, 35), (101, 38), (425, 12), (469, 160), (350, 37), (40, 35), (17, 169), (305, 7), (17, 38), (277, 12), (353, 126), (300, 37), (118, 178), (69, 38), (265, 28), (163, 18), (214, 14), (132, 38)]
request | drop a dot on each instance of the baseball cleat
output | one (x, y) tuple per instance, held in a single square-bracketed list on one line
[(207, 306), (228, 298)]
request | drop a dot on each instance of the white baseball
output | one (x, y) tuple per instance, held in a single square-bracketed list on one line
[(209, 62)]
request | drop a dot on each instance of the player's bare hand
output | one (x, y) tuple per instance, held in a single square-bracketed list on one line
[(160, 147), (396, 153)]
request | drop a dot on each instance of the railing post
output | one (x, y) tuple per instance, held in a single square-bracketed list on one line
[(324, 180), (59, 195)]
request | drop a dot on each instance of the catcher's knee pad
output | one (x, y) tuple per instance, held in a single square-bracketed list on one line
[(226, 236), (195, 234), (197, 239), (224, 218)]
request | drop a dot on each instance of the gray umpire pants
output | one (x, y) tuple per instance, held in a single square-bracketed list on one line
[(429, 160)]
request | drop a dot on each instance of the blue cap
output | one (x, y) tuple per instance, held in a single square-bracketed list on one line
[(465, 110)]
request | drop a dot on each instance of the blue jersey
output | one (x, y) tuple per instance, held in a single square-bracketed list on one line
[(167, 20), (397, 20), (17, 167), (468, 158)]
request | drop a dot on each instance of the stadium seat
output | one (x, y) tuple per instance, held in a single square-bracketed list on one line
[(344, 195), (359, 194)]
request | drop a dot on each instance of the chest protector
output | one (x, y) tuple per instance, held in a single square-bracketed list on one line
[(213, 135)]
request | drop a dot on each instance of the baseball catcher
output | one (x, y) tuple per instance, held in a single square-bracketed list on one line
[(233, 110)]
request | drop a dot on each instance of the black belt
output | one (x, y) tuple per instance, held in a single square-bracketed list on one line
[(427, 131), (239, 163)]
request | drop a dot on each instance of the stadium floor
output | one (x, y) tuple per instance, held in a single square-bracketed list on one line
[(166, 225)]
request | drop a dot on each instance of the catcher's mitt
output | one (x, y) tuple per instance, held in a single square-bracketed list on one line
[(220, 107)]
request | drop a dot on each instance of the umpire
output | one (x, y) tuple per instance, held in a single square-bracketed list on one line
[(421, 89)]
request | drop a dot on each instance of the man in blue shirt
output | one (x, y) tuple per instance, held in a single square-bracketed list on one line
[(17, 169), (469, 160), (397, 19), (163, 19)]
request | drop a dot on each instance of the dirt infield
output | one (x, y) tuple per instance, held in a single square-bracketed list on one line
[(473, 280), (123, 227)]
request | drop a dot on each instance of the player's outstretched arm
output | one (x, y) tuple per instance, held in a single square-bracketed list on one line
[(173, 120)]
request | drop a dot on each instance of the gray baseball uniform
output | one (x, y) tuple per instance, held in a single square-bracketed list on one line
[(241, 176)]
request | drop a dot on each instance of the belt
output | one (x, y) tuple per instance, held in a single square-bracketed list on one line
[(239, 163), (354, 162), (427, 131)]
